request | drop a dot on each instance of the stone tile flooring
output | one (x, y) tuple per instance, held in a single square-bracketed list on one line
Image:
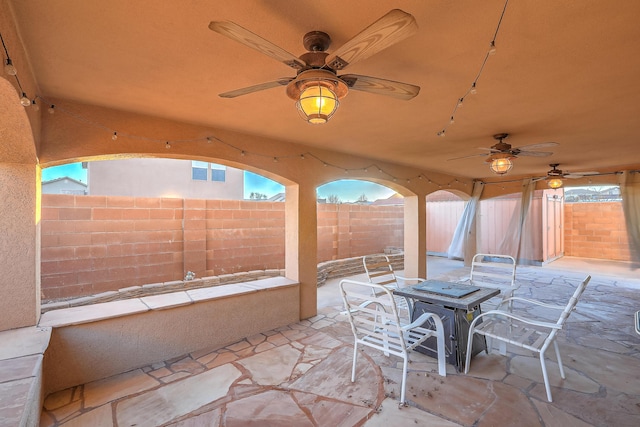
[(299, 375)]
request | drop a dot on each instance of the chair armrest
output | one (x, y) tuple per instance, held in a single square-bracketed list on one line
[(533, 322), (534, 302), (421, 320)]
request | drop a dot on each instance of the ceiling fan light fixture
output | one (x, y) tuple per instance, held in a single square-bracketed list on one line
[(500, 163), (554, 183), (317, 94), (317, 102)]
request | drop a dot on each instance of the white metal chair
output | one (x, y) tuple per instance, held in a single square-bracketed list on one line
[(494, 271), (375, 323), (380, 271), (530, 333)]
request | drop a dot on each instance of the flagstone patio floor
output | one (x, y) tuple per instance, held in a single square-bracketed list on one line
[(299, 375)]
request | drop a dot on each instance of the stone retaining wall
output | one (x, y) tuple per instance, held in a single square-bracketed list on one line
[(162, 288), (353, 266)]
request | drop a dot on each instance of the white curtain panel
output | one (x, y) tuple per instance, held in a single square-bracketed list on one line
[(464, 244), (518, 240), (630, 191)]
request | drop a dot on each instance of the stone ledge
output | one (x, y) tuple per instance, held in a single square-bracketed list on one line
[(107, 310), (97, 341), (21, 355)]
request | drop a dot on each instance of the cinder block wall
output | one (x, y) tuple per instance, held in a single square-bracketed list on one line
[(346, 231), (94, 244), (596, 230)]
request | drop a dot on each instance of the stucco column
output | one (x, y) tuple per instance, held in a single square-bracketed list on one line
[(301, 245), (19, 245), (415, 236)]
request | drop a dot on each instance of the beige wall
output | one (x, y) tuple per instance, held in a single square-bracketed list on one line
[(169, 178), (82, 353), (19, 246)]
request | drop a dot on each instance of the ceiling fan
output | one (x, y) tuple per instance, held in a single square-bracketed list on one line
[(317, 88), (501, 153), (555, 176)]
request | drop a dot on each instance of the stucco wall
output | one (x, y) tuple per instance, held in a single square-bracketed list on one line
[(19, 250), (81, 353)]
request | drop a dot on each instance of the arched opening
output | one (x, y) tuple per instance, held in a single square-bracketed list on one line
[(355, 218), (115, 224)]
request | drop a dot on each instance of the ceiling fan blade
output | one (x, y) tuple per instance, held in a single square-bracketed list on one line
[(380, 86), (473, 155), (517, 152), (536, 146), (262, 86), (391, 28), (254, 41), (576, 175)]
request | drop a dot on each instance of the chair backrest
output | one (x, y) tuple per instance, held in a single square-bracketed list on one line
[(373, 316), (571, 304), (494, 271), (380, 271)]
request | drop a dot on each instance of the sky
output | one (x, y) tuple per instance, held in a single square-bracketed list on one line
[(347, 190), (72, 170)]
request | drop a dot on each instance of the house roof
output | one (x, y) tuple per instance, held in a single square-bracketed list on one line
[(394, 199), (64, 179), (565, 72)]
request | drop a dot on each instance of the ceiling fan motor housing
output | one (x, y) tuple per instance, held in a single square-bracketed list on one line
[(314, 76), (555, 172)]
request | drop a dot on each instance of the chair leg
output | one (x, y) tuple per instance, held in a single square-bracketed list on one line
[(442, 368), (467, 361), (545, 376), (502, 348), (405, 367), (353, 368), (555, 345)]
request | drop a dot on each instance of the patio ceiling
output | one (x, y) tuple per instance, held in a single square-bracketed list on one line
[(564, 71)]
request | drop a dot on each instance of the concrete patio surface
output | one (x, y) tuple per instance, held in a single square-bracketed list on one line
[(299, 375)]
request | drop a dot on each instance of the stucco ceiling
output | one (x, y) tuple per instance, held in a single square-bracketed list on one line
[(567, 72)]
